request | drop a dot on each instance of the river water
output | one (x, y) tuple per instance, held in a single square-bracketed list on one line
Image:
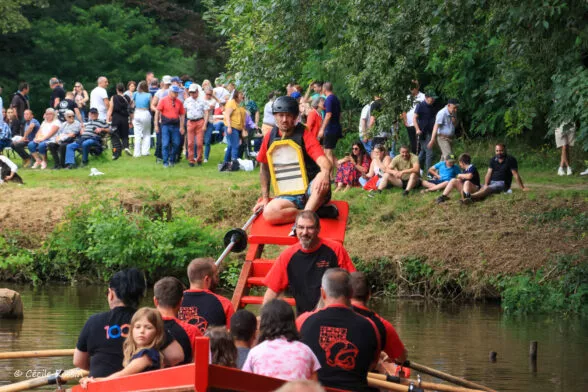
[(455, 339)]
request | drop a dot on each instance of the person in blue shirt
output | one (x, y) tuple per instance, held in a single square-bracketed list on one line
[(465, 183), (442, 173)]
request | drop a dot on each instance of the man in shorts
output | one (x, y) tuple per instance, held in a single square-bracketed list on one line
[(403, 171), (283, 209), (501, 169), (331, 130), (565, 137)]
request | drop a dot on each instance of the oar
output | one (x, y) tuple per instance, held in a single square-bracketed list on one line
[(57, 378), (447, 377), (38, 353), (236, 239), (390, 386), (422, 384)]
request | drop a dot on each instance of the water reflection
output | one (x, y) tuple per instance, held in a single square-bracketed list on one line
[(456, 339)]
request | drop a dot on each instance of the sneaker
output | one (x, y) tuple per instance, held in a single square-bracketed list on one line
[(569, 172), (158, 161), (36, 165), (43, 165), (584, 173), (441, 199), (405, 193), (560, 171), (205, 160), (165, 165), (467, 201), (128, 152), (328, 211)]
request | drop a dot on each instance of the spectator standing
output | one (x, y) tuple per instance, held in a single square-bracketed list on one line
[(565, 137), (67, 134), (314, 91), (45, 135), (118, 115), (314, 119), (57, 93), (197, 116), (382, 136), (171, 112), (90, 139), (364, 135), (159, 95), (81, 98), (444, 129), (279, 339), (220, 92), (424, 121), (68, 104), (235, 123), (20, 103), (31, 127), (501, 169), (99, 98), (210, 101), (346, 344), (142, 120), (331, 127), (131, 89), (414, 98), (268, 116)]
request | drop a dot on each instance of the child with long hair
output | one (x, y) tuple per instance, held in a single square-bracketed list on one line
[(280, 353), (223, 351), (141, 348)]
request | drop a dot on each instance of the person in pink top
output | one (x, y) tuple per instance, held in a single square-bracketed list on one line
[(280, 353)]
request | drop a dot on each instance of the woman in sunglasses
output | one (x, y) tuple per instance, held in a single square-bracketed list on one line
[(81, 98), (351, 167)]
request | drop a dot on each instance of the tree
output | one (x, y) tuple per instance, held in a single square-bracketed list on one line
[(11, 18)]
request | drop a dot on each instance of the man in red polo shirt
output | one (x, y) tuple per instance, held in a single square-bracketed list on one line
[(283, 209), (346, 344), (171, 112), (200, 306), (302, 266), (167, 298)]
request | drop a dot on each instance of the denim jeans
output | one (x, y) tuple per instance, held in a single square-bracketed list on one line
[(232, 152), (41, 148), (170, 136), (208, 140), (426, 154), (368, 146), (70, 154), (220, 128)]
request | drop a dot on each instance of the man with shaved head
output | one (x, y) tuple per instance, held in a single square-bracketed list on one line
[(99, 98)]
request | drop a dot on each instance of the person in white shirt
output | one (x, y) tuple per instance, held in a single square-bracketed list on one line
[(364, 119), (444, 129), (8, 170), (99, 98), (413, 98), (197, 115)]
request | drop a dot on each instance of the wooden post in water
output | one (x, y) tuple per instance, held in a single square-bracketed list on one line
[(533, 356)]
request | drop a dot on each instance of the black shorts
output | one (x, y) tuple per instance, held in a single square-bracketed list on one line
[(405, 183), (330, 141)]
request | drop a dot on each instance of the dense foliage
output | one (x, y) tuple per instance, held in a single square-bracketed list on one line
[(516, 67)]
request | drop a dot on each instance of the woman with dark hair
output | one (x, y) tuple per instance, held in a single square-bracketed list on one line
[(280, 353), (351, 167), (118, 114), (223, 351), (100, 344)]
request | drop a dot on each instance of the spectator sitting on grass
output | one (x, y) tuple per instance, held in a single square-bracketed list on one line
[(244, 333), (380, 161), (352, 166), (442, 173), (501, 169), (403, 171), (465, 183)]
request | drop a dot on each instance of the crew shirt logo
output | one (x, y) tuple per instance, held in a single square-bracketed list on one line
[(339, 351), (190, 315), (322, 264)]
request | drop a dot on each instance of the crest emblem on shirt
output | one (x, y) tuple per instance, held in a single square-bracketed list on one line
[(190, 315), (322, 264), (339, 351)]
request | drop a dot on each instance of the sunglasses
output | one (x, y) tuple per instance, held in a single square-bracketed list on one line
[(69, 116), (355, 148)]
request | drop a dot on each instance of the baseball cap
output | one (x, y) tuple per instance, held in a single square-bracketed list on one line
[(431, 93), (193, 88), (93, 110), (176, 79), (166, 79), (188, 83), (450, 157), (295, 95), (176, 89), (453, 101)]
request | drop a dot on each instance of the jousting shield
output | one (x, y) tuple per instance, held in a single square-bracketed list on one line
[(287, 170)]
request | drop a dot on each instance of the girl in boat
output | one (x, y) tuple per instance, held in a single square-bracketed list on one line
[(280, 353), (141, 348)]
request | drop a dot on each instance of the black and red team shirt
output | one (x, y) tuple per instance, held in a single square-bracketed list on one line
[(203, 308), (103, 336), (391, 343), (303, 269), (184, 333), (346, 344)]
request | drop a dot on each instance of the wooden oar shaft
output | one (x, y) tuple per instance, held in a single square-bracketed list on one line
[(390, 386), (37, 354), (448, 377), (45, 380), (424, 384)]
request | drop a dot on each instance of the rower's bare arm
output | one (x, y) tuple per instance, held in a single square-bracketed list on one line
[(134, 367), (269, 295), (81, 359), (173, 354)]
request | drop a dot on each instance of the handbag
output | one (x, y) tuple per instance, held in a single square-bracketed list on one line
[(372, 184)]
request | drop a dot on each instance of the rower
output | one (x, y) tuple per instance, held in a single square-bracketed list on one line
[(391, 343), (299, 170), (301, 266), (200, 306), (346, 344), (167, 298)]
